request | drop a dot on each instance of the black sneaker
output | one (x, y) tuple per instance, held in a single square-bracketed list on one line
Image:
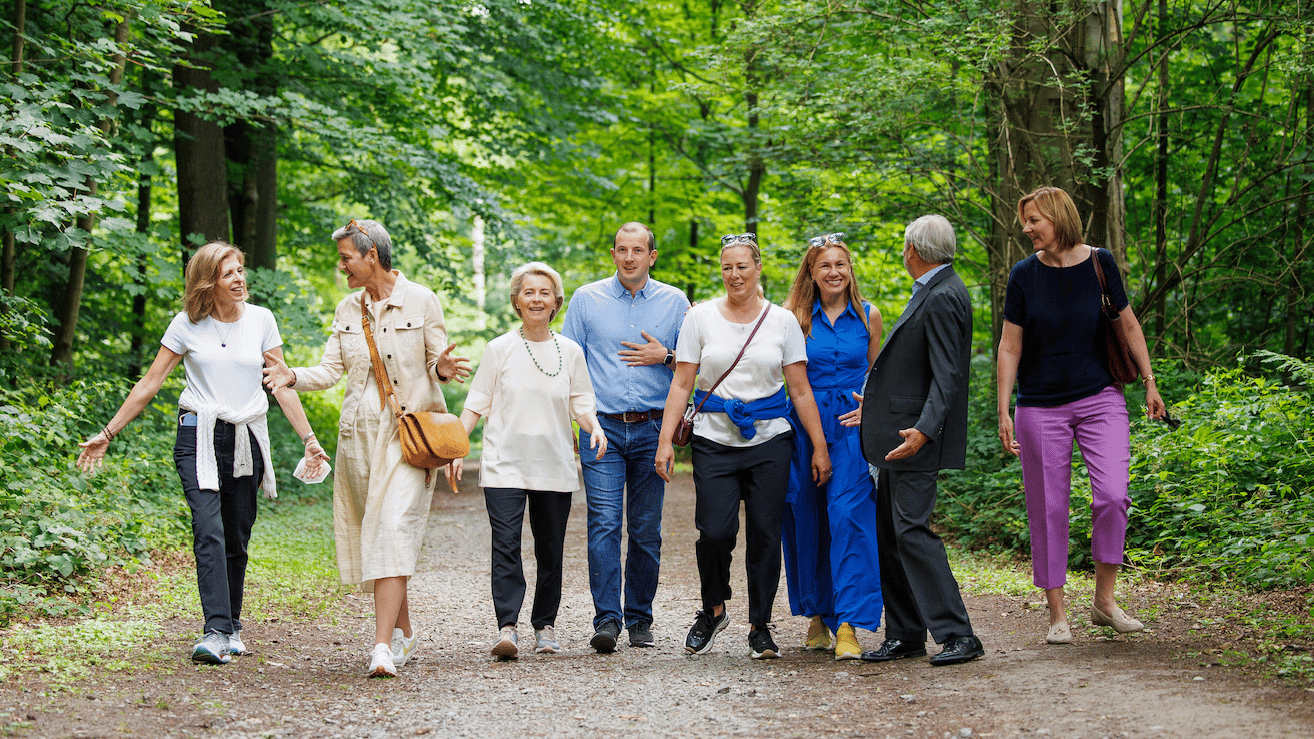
[(604, 639), (761, 644), (641, 635), (703, 632)]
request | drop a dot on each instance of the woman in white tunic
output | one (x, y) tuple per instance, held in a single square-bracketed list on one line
[(380, 503), (531, 384)]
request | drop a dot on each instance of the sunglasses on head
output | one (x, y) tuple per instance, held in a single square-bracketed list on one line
[(353, 224), (835, 238), (729, 239)]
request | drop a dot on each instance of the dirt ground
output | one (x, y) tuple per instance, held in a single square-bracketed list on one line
[(307, 679)]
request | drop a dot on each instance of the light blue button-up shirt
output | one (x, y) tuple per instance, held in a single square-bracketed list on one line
[(601, 315), (925, 279)]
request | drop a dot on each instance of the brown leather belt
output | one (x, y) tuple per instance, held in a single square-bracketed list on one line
[(634, 416)]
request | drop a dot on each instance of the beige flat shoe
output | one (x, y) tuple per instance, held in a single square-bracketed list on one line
[(1059, 633), (1119, 620)]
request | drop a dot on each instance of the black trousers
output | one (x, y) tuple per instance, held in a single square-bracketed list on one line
[(724, 475), (548, 513), (221, 523), (920, 591)]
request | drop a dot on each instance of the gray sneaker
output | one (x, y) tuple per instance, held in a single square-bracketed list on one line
[(212, 649), (545, 641), (506, 645), (235, 644)]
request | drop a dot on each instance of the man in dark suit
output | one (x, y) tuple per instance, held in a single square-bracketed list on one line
[(914, 424)]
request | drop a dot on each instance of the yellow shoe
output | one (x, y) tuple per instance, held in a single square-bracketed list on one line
[(846, 643), (818, 636)]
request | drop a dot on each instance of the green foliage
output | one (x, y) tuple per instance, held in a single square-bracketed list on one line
[(1227, 495), (56, 525)]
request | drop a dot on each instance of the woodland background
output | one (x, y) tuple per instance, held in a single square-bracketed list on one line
[(486, 134)]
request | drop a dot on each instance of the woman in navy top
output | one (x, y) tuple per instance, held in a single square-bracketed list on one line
[(1053, 346), (830, 530)]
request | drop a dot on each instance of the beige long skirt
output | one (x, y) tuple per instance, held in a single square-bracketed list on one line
[(380, 503)]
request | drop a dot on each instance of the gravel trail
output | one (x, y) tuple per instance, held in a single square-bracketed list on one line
[(306, 680)]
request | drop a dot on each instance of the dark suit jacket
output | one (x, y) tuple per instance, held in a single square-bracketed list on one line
[(919, 379)]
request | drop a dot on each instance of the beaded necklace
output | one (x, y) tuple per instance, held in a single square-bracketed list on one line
[(531, 352)]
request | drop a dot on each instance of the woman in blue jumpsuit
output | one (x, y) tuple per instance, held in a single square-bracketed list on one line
[(830, 533)]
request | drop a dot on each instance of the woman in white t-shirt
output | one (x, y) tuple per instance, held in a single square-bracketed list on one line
[(531, 384), (222, 448), (742, 440)]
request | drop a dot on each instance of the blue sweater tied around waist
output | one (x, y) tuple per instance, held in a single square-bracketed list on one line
[(742, 414)]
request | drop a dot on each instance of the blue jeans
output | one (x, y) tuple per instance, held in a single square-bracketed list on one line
[(628, 465)]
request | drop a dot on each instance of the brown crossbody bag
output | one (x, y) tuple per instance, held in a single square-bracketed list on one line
[(1118, 353), (429, 439)]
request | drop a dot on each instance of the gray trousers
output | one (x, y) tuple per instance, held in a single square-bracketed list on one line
[(920, 591)]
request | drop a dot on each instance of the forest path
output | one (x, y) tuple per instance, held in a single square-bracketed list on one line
[(307, 680)]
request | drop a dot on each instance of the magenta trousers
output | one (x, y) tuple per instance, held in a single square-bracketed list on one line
[(1103, 434)]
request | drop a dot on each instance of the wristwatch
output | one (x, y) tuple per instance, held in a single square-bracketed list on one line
[(670, 357)]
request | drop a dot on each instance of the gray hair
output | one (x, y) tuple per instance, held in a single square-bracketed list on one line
[(932, 237), (541, 269), (365, 235)]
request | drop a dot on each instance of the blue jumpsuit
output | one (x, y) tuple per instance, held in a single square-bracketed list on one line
[(830, 534)]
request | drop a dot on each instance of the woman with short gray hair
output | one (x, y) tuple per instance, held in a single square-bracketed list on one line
[(531, 384), (380, 503)]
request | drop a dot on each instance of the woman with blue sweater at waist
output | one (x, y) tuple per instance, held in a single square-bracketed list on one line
[(742, 440)]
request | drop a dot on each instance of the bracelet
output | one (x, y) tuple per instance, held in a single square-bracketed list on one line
[(109, 435), (294, 378), (307, 438), (1148, 379)]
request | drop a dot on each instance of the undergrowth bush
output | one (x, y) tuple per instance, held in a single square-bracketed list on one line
[(1228, 495), (58, 526)]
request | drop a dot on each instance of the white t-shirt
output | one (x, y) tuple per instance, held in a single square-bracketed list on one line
[(228, 376), (527, 415), (712, 342)]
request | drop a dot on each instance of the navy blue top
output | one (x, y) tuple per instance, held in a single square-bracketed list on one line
[(1058, 308)]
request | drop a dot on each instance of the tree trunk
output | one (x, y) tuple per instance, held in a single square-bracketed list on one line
[(61, 352), (199, 150), (690, 287), (10, 249), (251, 146), (477, 261), (756, 164), (1161, 179)]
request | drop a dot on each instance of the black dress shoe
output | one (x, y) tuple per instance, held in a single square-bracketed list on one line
[(892, 649), (958, 649)]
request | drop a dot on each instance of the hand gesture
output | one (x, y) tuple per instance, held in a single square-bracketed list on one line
[(665, 459), (1154, 405), (638, 355), (1006, 435), (315, 457), (821, 470), (598, 440), (93, 453), (913, 441), (454, 472), (277, 374), (853, 417), (451, 367)]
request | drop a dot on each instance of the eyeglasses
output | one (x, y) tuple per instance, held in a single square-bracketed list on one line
[(353, 224), (729, 239), (835, 238)]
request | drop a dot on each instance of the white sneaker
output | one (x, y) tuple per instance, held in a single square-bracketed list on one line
[(235, 643), (505, 646), (381, 661), (402, 648)]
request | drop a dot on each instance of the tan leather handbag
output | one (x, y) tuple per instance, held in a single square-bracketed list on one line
[(1116, 349), (429, 439)]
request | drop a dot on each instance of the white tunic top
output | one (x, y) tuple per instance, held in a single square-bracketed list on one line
[(712, 342), (527, 434)]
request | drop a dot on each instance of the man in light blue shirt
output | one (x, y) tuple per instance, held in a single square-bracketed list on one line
[(628, 325)]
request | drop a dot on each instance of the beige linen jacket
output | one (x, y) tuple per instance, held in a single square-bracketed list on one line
[(410, 335)]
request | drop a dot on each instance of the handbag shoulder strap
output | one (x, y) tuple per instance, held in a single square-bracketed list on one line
[(1106, 302), (738, 357), (380, 373)]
